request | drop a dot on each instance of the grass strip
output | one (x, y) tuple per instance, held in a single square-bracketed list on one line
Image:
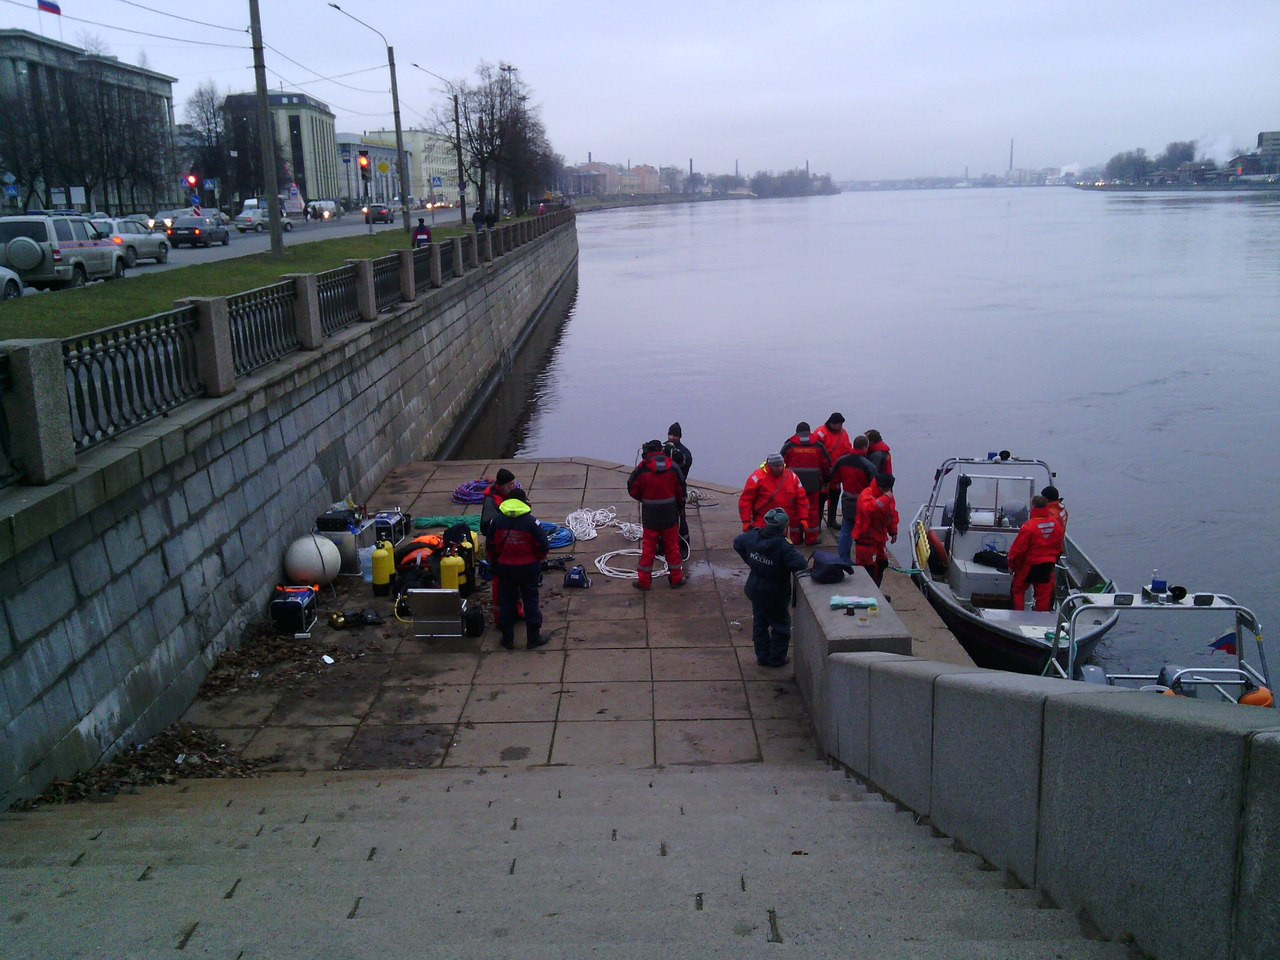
[(67, 313)]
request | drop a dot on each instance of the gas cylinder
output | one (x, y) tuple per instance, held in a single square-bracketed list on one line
[(452, 572), (383, 565)]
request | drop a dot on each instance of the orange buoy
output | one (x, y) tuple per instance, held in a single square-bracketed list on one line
[(937, 552), (1261, 697)]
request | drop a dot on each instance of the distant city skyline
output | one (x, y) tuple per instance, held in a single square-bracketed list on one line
[(865, 91)]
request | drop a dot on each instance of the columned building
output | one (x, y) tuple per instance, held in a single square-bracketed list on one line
[(385, 182), (60, 101)]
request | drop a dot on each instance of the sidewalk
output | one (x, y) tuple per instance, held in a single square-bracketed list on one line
[(629, 678)]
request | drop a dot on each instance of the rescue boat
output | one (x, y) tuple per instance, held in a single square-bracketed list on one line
[(1229, 667), (961, 538)]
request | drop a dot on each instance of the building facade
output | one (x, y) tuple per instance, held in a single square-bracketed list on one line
[(305, 137), (1269, 151), (384, 184), (80, 129), (433, 164)]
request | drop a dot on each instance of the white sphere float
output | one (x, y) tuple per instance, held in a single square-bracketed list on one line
[(312, 559)]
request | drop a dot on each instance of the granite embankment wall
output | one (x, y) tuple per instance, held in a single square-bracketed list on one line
[(123, 580), (1157, 819)]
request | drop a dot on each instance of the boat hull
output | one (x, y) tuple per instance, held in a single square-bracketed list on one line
[(995, 648)]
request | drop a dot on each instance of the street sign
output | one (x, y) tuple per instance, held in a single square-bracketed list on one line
[(210, 185), (10, 191), (437, 181), (8, 179), (195, 199), (346, 158), (383, 167)]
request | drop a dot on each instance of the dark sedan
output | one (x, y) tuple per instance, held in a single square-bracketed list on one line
[(379, 213), (198, 231)]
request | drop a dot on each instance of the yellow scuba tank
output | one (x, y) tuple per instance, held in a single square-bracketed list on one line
[(383, 565), (452, 572)]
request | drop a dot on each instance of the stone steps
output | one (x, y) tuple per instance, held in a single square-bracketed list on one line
[(564, 861)]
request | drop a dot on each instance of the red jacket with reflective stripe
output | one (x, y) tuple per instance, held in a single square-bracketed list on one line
[(837, 442), (659, 486), (809, 459), (877, 517), (764, 491), (1038, 541)]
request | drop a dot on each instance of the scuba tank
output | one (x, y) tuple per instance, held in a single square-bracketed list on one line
[(383, 565), (453, 572), (467, 552)]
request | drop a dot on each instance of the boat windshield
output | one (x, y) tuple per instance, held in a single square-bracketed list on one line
[(992, 501)]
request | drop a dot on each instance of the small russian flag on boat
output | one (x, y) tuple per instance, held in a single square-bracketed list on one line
[(1226, 643), (48, 6)]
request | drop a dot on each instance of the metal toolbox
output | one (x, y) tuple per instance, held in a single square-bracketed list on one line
[(391, 525), (349, 542)]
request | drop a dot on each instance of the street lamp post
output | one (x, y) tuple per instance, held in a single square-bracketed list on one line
[(395, 108), (457, 144)]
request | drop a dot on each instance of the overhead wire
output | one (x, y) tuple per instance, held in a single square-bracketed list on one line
[(140, 33), (175, 16)]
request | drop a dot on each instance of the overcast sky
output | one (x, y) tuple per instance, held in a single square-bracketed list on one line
[(862, 90)]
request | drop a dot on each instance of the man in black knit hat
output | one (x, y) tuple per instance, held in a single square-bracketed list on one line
[(682, 458)]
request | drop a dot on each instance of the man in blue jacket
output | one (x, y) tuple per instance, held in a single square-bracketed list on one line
[(773, 561)]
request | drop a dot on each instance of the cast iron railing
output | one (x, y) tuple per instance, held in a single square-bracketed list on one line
[(339, 305), (8, 473), (421, 269), (125, 375), (446, 260), (262, 325), (386, 282)]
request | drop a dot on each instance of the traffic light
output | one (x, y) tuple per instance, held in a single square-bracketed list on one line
[(192, 180), (366, 170)]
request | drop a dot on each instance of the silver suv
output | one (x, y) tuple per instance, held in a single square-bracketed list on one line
[(58, 251)]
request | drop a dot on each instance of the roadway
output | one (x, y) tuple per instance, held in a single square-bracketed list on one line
[(243, 244)]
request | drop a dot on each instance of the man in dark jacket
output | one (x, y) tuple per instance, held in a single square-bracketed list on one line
[(680, 455), (854, 472), (805, 455), (659, 486), (516, 547), (772, 561)]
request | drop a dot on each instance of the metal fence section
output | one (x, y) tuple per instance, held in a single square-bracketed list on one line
[(386, 282), (421, 269), (339, 305), (446, 260), (125, 375), (8, 473), (262, 325)]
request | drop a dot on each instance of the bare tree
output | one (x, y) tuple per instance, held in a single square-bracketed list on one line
[(206, 116)]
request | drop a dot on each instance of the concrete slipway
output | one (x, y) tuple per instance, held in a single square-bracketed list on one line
[(638, 785)]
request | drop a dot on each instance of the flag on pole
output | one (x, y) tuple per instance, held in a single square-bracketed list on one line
[(48, 6), (1226, 643)]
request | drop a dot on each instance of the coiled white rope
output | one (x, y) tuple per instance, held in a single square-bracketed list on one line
[(700, 498), (621, 573), (585, 523)]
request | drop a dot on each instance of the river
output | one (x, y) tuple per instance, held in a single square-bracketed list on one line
[(1130, 340)]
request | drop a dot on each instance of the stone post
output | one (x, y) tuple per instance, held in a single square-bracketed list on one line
[(306, 309), (408, 279), (486, 249), (437, 273), (458, 268), (215, 354), (366, 298), (496, 240), (34, 404)]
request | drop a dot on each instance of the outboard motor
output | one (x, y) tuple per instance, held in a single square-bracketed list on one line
[(1092, 673), (1166, 679)]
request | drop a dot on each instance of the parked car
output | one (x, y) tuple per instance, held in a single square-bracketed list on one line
[(57, 251), (258, 219), (137, 242), (198, 231), (10, 284), (379, 213)]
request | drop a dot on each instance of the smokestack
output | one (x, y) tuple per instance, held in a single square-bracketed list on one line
[(1011, 156), (588, 156), (691, 166), (735, 168)]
